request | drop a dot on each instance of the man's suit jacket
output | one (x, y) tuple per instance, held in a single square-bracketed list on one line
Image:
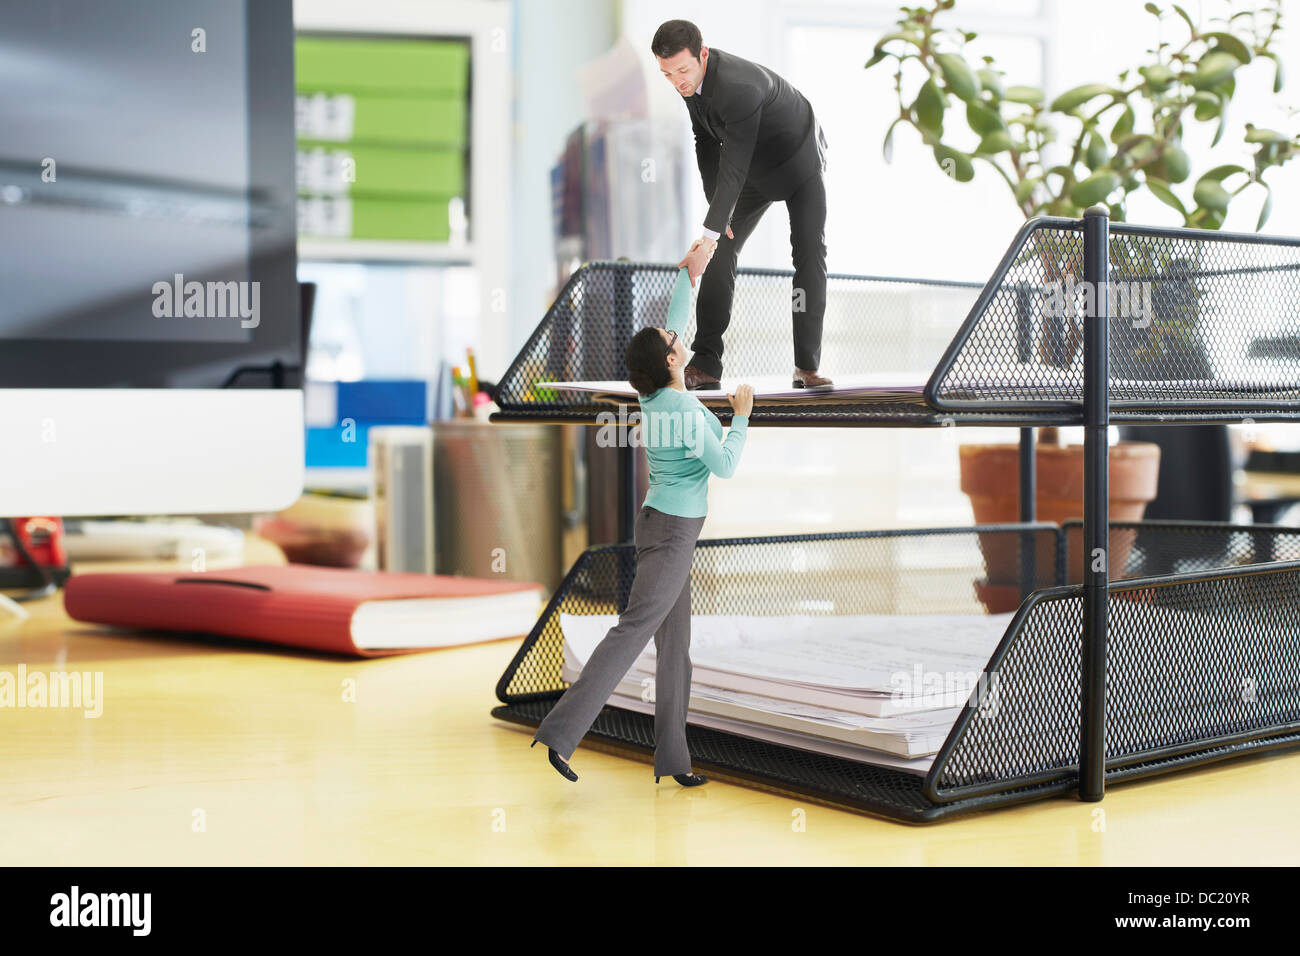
[(751, 126)]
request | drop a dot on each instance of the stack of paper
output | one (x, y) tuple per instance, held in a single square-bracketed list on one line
[(882, 689), (884, 387)]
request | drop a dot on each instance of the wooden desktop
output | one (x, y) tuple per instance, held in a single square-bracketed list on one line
[(209, 752)]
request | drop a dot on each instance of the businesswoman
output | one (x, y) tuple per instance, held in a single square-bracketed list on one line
[(683, 444)]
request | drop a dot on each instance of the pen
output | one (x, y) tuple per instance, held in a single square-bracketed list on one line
[(473, 375)]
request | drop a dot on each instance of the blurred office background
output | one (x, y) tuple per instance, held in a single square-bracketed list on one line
[(549, 96)]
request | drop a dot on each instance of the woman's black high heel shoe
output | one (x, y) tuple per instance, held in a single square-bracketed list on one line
[(558, 763), (688, 779)]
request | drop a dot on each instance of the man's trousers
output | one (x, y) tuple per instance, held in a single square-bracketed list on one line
[(807, 209)]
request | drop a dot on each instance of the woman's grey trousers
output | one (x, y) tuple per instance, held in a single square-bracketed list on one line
[(659, 605)]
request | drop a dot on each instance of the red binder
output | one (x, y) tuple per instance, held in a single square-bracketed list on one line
[(340, 611)]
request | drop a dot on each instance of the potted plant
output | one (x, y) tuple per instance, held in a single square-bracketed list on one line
[(1095, 143)]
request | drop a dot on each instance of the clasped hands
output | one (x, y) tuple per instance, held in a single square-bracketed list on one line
[(698, 255)]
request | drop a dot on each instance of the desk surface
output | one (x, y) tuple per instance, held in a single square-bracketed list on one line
[(208, 753), (1267, 485)]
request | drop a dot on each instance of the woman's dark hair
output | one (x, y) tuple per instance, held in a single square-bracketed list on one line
[(674, 36), (647, 362)]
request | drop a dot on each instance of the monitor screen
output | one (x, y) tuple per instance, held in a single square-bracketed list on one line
[(147, 231)]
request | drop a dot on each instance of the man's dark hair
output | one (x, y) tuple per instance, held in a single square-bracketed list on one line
[(647, 362), (673, 36)]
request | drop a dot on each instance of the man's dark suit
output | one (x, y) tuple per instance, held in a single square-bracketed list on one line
[(758, 142)]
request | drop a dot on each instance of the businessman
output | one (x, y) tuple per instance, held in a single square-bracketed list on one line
[(757, 142)]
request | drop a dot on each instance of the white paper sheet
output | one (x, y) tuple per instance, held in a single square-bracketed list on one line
[(919, 766), (744, 669), (1172, 638), (875, 654), (880, 387)]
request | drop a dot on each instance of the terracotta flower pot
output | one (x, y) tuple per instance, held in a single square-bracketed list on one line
[(990, 476)]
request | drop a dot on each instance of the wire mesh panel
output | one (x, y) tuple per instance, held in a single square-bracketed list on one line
[(1142, 549), (1199, 321), (1194, 662), (1201, 665), (871, 325), (941, 571), (843, 782), (881, 572)]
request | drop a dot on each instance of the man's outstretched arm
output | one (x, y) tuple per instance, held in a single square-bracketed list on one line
[(706, 156), (740, 133)]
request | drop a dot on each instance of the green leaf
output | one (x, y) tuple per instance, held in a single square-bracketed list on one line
[(1094, 189), (1255, 134), (1207, 105), (1166, 195), (1025, 189), (1097, 154), (1029, 95), (1151, 8), (1209, 194), (1223, 122), (994, 142), (1267, 208), (1215, 67), (929, 107), (1173, 166), (1123, 126), (991, 81), (1277, 76), (956, 164), (984, 119), (1206, 219), (887, 149), (1138, 147), (1073, 99), (1220, 173), (957, 76), (1183, 13), (1233, 45), (911, 36), (1158, 76)]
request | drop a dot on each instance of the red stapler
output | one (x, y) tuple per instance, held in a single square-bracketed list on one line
[(32, 555)]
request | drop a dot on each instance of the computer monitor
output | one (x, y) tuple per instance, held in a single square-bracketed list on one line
[(147, 258)]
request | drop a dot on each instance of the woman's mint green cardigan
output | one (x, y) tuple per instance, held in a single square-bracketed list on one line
[(683, 439)]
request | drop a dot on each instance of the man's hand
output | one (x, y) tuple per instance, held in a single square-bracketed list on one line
[(697, 257)]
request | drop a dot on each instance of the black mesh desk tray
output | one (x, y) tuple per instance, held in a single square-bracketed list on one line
[(1181, 650), (1205, 661), (1204, 326)]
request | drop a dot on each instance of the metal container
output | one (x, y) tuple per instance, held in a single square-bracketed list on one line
[(499, 509), (401, 457)]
